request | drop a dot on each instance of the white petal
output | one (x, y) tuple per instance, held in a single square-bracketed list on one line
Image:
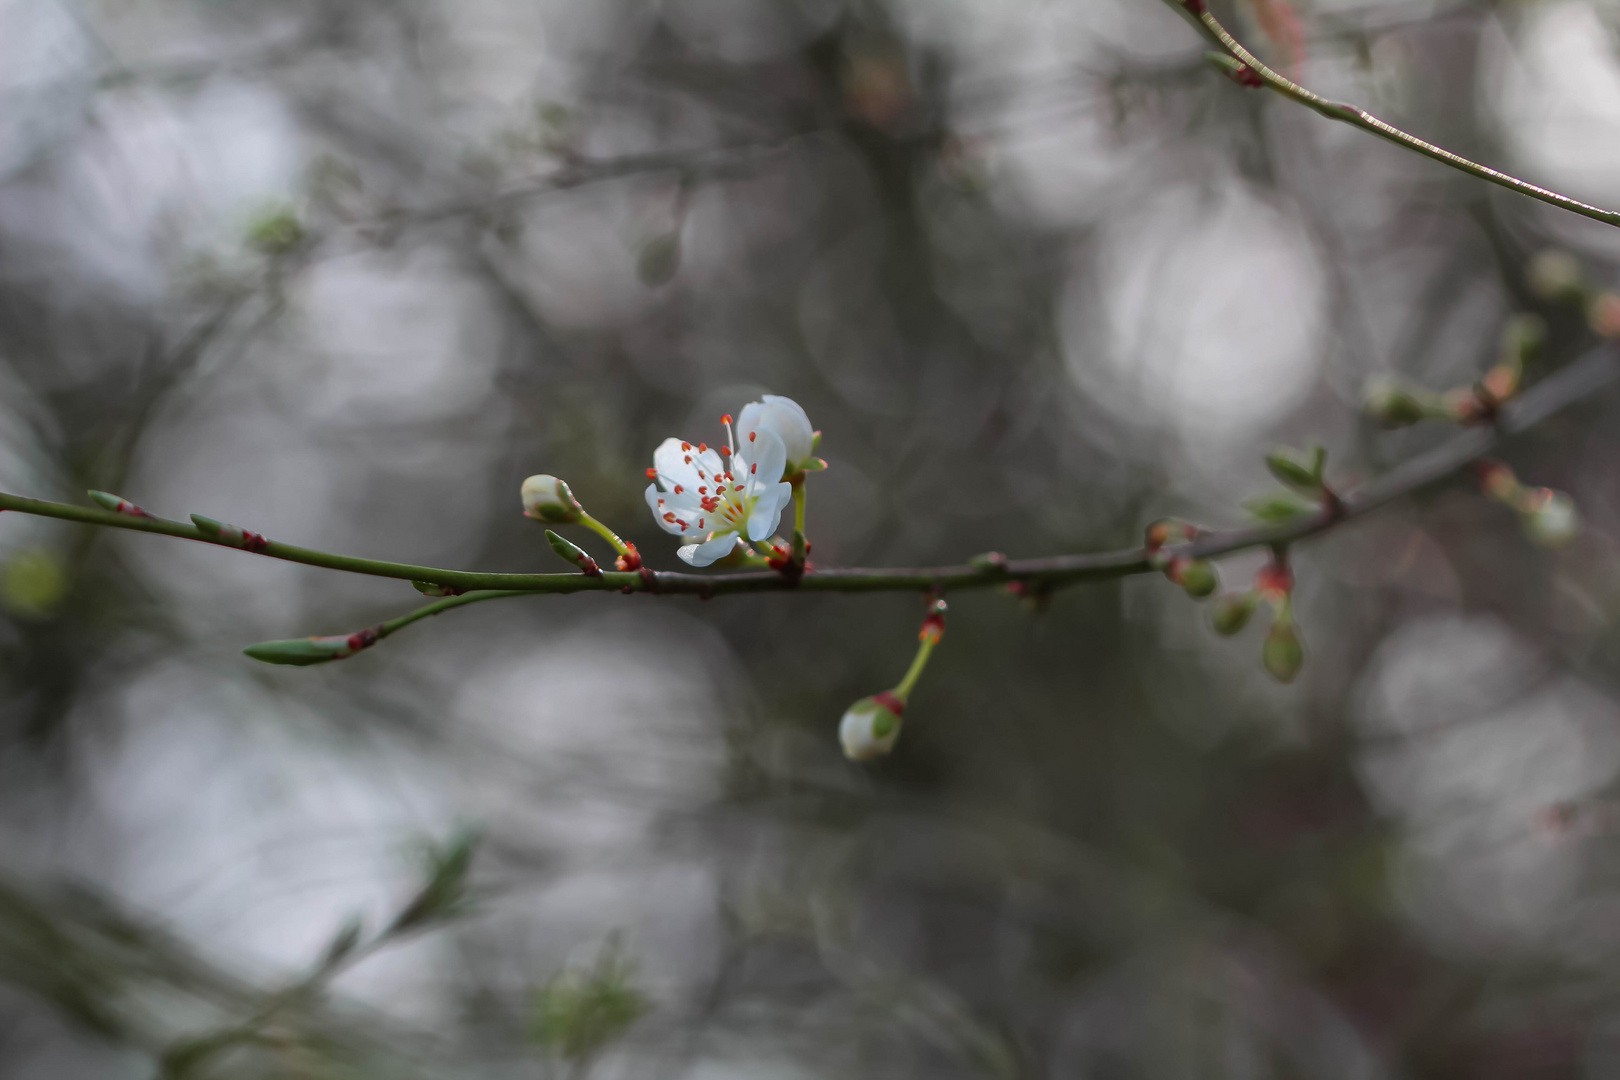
[(653, 495), (716, 547), (765, 458), (783, 418), (767, 511), (673, 468)]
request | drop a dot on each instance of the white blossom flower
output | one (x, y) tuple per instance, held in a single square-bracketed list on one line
[(783, 418), (713, 498)]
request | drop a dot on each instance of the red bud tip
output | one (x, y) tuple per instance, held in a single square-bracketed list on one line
[(890, 702), (1274, 580)]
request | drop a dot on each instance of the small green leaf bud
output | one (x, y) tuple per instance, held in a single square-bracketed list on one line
[(1550, 518), (1276, 508), (548, 499), (1555, 275), (1230, 613), (276, 231), (1392, 404), (870, 726), (1283, 653), (1292, 471), (573, 553), (428, 588), (1199, 579)]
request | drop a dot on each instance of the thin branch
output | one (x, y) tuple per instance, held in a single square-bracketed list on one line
[(1579, 380), (1361, 118)]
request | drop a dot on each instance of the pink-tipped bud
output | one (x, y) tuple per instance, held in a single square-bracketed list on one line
[(1550, 518)]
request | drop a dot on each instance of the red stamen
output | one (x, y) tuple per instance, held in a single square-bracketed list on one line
[(652, 474)]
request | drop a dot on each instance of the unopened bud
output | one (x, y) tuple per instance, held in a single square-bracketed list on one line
[(117, 504), (302, 652), (1550, 518), (1229, 614), (1283, 653), (1392, 405), (871, 726), (234, 535), (1199, 579), (1555, 275), (573, 553), (548, 499)]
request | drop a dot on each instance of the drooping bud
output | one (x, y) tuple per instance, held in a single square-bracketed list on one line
[(548, 499), (1392, 404), (231, 535), (302, 652), (117, 504), (870, 727), (1198, 578), (1283, 653), (1230, 613), (1550, 518), (573, 553), (1555, 275)]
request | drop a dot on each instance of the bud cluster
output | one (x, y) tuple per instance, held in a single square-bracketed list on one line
[(1197, 577), (1394, 403), (1283, 652)]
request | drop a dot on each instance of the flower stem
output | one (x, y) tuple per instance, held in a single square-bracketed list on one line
[(913, 673), (434, 608), (604, 532), (799, 545)]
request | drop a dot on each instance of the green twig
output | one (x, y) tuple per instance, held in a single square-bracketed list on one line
[(1579, 380), (1361, 118)]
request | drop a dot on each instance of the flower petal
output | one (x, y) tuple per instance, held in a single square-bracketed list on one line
[(715, 548), (782, 417), (659, 509), (767, 511), (673, 468), (766, 460)]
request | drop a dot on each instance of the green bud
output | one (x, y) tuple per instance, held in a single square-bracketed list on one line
[(1230, 613), (1289, 469), (1199, 579), (428, 588), (302, 652), (33, 583), (1283, 653), (1392, 404), (1276, 508), (870, 727), (573, 553), (548, 499), (1555, 275), (275, 232)]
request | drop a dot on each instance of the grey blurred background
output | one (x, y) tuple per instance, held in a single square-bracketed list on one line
[(346, 271)]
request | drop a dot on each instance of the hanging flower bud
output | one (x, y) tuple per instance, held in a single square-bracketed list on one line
[(871, 726), (1283, 653), (1392, 404), (548, 499), (1549, 517), (1229, 614), (573, 553), (1555, 275)]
